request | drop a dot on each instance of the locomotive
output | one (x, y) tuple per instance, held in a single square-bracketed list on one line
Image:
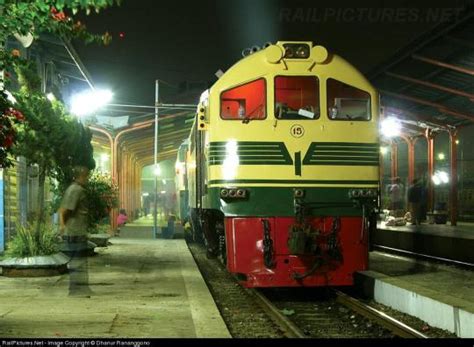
[(282, 168)]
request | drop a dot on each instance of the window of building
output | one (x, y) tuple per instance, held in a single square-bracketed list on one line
[(346, 102), (245, 102), (296, 97)]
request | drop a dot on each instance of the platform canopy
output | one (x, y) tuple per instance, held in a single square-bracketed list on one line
[(431, 81)]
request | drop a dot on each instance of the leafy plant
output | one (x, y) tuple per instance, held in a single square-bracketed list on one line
[(100, 229), (48, 137), (102, 197), (53, 16), (26, 243)]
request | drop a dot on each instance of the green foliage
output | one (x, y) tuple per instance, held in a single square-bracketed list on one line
[(100, 229), (76, 150), (102, 196), (49, 137), (39, 135), (53, 16), (27, 244)]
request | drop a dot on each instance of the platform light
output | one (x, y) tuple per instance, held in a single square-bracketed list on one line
[(390, 127), (90, 101), (145, 194), (157, 170), (440, 177), (441, 156), (50, 97), (457, 142), (383, 150)]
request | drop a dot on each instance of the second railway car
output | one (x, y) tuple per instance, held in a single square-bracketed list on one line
[(283, 167)]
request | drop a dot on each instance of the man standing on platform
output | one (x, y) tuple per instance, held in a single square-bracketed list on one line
[(73, 228)]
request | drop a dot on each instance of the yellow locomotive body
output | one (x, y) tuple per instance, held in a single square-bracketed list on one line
[(283, 167)]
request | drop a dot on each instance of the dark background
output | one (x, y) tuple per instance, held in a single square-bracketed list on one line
[(188, 41)]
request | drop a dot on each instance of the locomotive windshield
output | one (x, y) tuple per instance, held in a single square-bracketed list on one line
[(245, 102), (346, 102), (296, 97)]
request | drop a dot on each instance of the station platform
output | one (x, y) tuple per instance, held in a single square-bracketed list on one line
[(437, 240), (135, 288), (142, 228), (440, 295)]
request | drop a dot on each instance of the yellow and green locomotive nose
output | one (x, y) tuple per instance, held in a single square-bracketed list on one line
[(284, 158)]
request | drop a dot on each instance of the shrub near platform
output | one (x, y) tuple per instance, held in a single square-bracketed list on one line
[(33, 253)]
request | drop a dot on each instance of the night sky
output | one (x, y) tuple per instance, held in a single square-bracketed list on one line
[(178, 41)]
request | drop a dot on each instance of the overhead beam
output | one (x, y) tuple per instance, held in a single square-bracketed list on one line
[(439, 107), (439, 31), (443, 64), (431, 85)]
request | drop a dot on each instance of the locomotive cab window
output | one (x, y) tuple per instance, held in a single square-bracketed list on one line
[(346, 102), (296, 97), (245, 102)]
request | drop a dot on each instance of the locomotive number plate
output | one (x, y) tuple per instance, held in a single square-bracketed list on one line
[(297, 130)]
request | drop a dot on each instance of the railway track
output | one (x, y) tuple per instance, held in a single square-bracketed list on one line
[(294, 313), (334, 315)]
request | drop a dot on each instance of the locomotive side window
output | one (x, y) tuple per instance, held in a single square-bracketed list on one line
[(296, 97), (346, 102), (245, 102)]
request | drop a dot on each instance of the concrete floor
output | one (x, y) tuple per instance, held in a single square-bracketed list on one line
[(140, 288), (441, 295)]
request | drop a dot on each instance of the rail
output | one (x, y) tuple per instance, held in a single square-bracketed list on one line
[(395, 326), (286, 325)]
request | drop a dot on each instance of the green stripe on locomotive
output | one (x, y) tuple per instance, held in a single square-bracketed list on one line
[(279, 201)]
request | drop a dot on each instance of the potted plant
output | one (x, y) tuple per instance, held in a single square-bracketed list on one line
[(28, 255), (102, 197)]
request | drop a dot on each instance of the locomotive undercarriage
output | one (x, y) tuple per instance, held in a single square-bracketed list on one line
[(287, 251)]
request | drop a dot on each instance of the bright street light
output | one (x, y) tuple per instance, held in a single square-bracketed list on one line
[(50, 97), (89, 101), (440, 177), (390, 127), (157, 170)]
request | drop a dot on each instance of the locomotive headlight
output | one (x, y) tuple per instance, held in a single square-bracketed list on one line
[(296, 50), (302, 52), (224, 193), (232, 193), (355, 193)]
